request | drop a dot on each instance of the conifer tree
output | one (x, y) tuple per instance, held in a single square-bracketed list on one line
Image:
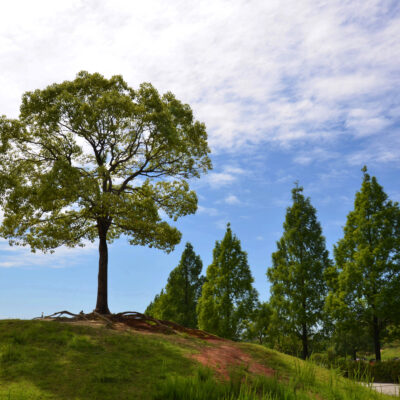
[(365, 282), (297, 274), (155, 308), (228, 297), (179, 300)]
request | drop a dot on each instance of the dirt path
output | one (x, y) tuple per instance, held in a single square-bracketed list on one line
[(222, 355)]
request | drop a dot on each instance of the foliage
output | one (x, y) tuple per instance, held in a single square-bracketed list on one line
[(297, 274), (156, 307), (259, 324), (179, 300), (93, 158), (350, 338), (384, 371), (365, 281), (228, 297)]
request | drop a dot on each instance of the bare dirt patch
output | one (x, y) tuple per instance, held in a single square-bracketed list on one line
[(224, 355)]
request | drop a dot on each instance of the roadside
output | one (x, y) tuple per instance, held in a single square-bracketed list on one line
[(391, 389)]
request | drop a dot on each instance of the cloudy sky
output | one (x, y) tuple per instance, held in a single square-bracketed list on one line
[(290, 90)]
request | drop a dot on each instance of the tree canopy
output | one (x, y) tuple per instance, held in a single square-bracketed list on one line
[(93, 158), (259, 323), (297, 280), (178, 301), (365, 281), (228, 297)]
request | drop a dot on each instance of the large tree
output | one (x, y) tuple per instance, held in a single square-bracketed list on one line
[(179, 299), (365, 282), (297, 280), (93, 158), (228, 297)]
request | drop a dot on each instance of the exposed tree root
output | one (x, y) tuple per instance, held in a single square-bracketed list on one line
[(131, 319)]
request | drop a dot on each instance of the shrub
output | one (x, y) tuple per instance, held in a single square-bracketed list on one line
[(383, 371)]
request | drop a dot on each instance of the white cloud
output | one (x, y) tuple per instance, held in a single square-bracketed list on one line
[(217, 179), (254, 72), (212, 212), (366, 122), (17, 256), (232, 200), (312, 155), (380, 149), (227, 176)]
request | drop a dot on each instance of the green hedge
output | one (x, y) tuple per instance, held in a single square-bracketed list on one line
[(383, 371)]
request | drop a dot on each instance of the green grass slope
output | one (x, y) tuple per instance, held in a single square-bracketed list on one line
[(390, 351), (54, 360)]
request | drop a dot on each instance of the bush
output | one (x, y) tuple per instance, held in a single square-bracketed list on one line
[(386, 371), (383, 371)]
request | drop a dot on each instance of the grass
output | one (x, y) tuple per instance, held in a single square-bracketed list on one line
[(303, 385), (391, 351), (50, 360), (388, 351)]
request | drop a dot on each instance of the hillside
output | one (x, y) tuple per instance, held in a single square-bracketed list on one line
[(88, 360)]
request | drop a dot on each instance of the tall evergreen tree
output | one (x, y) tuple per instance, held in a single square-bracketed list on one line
[(228, 296), (297, 274), (365, 282), (179, 300)]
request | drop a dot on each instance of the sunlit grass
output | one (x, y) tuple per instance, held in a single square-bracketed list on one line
[(50, 360)]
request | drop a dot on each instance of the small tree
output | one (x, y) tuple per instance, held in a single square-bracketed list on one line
[(365, 283), (228, 297), (297, 275), (179, 300), (259, 324), (92, 158)]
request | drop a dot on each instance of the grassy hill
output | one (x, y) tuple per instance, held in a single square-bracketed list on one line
[(390, 351), (55, 360)]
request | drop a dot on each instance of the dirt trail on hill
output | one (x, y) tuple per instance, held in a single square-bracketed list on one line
[(224, 354)]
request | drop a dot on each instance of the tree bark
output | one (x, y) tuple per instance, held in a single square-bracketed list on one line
[(102, 287), (304, 340), (377, 340)]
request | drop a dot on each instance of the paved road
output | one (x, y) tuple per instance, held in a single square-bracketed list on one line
[(387, 388)]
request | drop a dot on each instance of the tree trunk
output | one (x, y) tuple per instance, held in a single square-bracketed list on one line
[(304, 340), (102, 288), (354, 354), (377, 341)]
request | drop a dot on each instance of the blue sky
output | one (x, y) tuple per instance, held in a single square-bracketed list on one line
[(289, 91)]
